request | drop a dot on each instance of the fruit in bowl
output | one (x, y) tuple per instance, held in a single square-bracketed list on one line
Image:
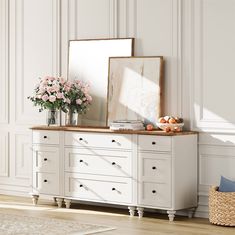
[(170, 123)]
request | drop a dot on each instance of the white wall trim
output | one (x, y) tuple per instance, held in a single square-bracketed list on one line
[(4, 151), (4, 61), (18, 52), (113, 19), (199, 121)]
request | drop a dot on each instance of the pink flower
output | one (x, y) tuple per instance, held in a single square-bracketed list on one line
[(52, 98), (41, 90), (79, 101), (38, 96), (45, 97), (56, 88), (67, 86), (49, 89), (89, 98), (43, 83), (60, 95), (61, 80)]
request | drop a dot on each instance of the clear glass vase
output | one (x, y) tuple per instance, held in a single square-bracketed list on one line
[(72, 118), (52, 117)]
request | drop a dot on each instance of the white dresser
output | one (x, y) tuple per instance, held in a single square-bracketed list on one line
[(140, 169)]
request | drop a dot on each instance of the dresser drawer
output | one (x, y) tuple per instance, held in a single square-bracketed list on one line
[(155, 167), (46, 137), (46, 183), (109, 189), (155, 195), (154, 143), (82, 139), (100, 162), (45, 159)]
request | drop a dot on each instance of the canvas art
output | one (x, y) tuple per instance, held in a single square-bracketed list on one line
[(135, 90)]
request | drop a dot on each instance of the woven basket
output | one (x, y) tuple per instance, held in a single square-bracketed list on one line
[(221, 207)]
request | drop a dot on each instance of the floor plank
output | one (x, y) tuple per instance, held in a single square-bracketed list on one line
[(150, 224)]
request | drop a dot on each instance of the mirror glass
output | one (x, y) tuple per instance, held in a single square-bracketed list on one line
[(135, 85), (88, 61)]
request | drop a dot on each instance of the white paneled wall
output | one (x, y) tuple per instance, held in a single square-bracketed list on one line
[(4, 61), (196, 37), (212, 85), (29, 48)]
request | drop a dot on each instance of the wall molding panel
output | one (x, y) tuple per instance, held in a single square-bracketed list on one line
[(23, 152), (207, 71), (4, 55), (164, 39), (113, 19), (27, 16), (4, 154)]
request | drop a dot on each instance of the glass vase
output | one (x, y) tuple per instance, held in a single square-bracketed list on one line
[(52, 117), (72, 118)]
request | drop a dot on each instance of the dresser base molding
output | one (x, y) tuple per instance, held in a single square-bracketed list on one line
[(135, 170)]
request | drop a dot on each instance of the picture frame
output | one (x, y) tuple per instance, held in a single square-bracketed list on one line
[(135, 89), (88, 61)]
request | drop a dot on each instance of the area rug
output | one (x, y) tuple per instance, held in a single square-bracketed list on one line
[(25, 225)]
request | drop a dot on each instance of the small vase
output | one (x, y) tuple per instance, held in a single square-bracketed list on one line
[(52, 117), (71, 118)]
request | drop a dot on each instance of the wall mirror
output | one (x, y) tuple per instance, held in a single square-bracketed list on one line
[(135, 89), (88, 61)]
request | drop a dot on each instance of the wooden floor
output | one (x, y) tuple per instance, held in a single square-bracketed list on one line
[(151, 224)]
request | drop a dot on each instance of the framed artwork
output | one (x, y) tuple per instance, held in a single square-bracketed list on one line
[(88, 61), (135, 88)]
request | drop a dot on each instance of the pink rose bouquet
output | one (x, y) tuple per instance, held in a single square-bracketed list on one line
[(55, 93), (77, 98), (49, 93)]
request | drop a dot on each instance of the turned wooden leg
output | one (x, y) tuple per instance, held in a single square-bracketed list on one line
[(131, 210), (67, 203), (35, 199), (140, 211), (191, 212), (171, 215), (59, 202)]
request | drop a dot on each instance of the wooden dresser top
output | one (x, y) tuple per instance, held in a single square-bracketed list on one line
[(107, 130)]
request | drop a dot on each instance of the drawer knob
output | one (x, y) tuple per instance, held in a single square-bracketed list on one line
[(80, 185), (113, 189), (45, 181), (81, 160), (44, 136), (113, 163), (113, 141), (153, 191), (45, 159), (154, 167), (153, 143), (80, 139)]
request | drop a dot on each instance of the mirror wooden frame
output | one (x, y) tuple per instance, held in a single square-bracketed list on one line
[(97, 115), (135, 88)]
